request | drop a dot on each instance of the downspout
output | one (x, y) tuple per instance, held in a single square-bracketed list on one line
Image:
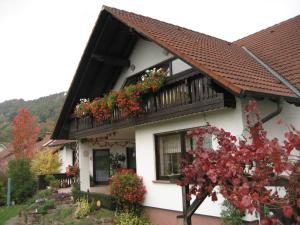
[(275, 113)]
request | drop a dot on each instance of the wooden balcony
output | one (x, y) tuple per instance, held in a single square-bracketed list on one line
[(181, 95)]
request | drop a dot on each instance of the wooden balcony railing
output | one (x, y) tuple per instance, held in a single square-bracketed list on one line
[(181, 95), (63, 179)]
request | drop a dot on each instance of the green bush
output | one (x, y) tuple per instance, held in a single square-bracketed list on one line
[(3, 180), (23, 182), (131, 219), (230, 215), (52, 181), (83, 208), (76, 193), (44, 193), (43, 209)]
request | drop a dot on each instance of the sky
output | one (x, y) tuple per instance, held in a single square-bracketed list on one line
[(41, 41)]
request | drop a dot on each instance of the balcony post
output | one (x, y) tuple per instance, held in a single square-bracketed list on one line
[(84, 166)]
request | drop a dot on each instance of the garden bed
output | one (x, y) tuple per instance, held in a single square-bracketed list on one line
[(51, 208)]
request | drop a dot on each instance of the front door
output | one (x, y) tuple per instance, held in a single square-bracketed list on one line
[(131, 161), (101, 166)]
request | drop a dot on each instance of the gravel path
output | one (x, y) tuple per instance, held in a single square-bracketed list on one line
[(12, 221)]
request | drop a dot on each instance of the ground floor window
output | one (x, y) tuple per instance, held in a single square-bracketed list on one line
[(170, 148)]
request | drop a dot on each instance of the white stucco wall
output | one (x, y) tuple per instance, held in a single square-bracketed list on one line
[(290, 115), (144, 55), (168, 196), (66, 157)]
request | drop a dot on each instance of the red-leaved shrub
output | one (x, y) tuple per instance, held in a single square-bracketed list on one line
[(128, 189)]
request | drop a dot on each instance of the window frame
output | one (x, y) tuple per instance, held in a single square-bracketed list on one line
[(182, 134)]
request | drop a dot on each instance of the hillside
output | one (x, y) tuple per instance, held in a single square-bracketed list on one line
[(45, 109)]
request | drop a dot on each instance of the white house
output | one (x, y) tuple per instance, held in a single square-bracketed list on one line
[(66, 150), (209, 80)]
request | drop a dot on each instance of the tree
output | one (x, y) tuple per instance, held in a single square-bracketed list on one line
[(23, 182), (25, 133), (243, 169), (45, 162)]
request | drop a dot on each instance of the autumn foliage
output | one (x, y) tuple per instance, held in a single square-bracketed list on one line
[(246, 168), (45, 162), (128, 100), (25, 133), (128, 189)]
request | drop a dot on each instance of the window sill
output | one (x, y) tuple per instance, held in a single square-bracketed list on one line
[(163, 182)]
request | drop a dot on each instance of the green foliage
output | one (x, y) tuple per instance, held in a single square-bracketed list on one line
[(230, 215), (52, 181), (44, 193), (63, 213), (45, 162), (83, 208), (23, 182), (46, 109), (76, 193), (116, 161), (131, 219), (104, 213), (3, 180), (42, 207)]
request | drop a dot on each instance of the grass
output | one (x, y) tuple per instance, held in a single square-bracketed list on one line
[(9, 212), (104, 213)]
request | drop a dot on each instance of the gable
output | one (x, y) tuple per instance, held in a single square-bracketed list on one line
[(144, 55), (124, 43)]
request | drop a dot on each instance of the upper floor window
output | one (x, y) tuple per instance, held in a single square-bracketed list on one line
[(170, 149), (172, 67)]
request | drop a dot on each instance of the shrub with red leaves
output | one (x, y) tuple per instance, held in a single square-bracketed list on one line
[(128, 189), (243, 169)]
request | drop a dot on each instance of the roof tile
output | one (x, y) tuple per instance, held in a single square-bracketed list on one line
[(279, 47), (225, 62)]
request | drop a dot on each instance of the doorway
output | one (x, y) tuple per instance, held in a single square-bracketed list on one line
[(131, 159), (101, 166)]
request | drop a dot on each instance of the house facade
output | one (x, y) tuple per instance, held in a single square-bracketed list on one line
[(66, 150), (209, 82)]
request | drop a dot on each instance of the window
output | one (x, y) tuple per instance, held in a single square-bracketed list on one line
[(172, 66), (170, 149)]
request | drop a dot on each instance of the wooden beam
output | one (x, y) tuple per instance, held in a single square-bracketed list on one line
[(187, 220), (196, 203), (110, 60)]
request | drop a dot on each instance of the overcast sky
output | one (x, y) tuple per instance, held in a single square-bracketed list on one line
[(41, 41)]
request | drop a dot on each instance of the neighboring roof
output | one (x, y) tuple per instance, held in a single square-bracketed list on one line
[(40, 144), (279, 47), (6, 153), (54, 143), (225, 62)]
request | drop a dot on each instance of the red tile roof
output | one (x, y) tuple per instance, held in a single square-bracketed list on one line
[(225, 62), (279, 47)]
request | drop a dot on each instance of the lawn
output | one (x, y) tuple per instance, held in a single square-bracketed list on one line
[(8, 212)]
